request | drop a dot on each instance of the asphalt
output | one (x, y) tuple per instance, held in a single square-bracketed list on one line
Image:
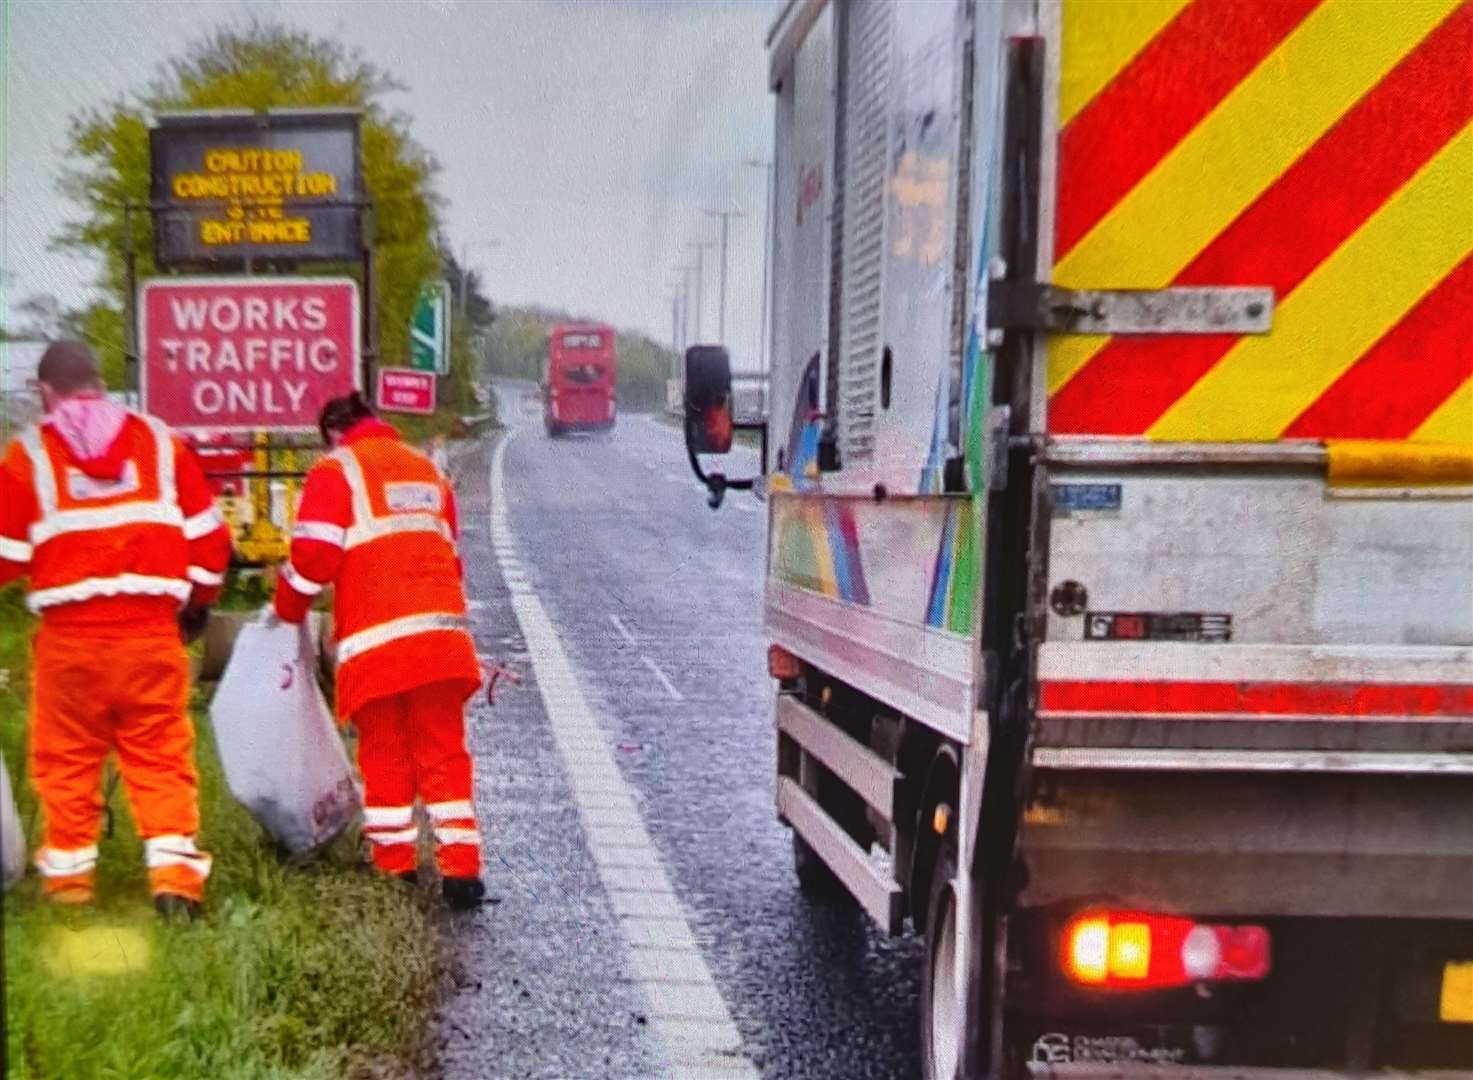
[(656, 601)]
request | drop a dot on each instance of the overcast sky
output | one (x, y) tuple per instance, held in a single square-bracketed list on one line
[(586, 138)]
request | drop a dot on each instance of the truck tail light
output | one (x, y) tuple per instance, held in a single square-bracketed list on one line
[(1136, 950), (782, 664)]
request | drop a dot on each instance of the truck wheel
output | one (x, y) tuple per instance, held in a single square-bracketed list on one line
[(941, 1019), (814, 876)]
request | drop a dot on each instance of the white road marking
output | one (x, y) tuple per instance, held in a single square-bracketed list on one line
[(664, 679), (623, 630), (691, 1019)]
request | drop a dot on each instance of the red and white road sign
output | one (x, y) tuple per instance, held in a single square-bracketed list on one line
[(247, 353), (406, 390)]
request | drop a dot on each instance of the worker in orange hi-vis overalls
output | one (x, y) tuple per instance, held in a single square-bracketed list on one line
[(111, 518), (377, 522)]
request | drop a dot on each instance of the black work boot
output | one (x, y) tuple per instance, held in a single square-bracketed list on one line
[(172, 907), (463, 893)]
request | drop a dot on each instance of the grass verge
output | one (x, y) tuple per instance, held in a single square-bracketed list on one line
[(304, 972)]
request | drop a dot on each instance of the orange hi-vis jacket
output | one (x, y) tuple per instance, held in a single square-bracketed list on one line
[(377, 522), (121, 541)]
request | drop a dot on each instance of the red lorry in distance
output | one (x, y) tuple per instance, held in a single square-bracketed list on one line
[(580, 380)]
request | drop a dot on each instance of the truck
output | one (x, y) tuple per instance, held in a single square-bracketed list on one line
[(580, 379), (1119, 566)]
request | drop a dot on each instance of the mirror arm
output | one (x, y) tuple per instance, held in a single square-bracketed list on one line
[(716, 483)]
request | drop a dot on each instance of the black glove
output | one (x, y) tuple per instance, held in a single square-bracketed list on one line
[(192, 621)]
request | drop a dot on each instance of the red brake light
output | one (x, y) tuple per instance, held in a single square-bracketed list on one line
[(1137, 950), (782, 664)]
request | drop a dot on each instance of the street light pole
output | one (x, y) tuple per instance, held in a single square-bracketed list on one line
[(700, 247), (762, 330), (682, 336), (465, 270), (725, 216), (685, 307)]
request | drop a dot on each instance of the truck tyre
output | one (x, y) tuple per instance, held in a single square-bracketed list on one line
[(814, 876), (941, 1019)]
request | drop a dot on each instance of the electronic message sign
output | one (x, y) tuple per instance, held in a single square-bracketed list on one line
[(281, 186)]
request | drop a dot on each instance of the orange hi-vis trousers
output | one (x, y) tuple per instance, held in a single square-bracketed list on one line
[(124, 691), (413, 744)]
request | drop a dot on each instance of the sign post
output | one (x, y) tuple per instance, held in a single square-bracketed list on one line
[(429, 330), (247, 354), (405, 390)]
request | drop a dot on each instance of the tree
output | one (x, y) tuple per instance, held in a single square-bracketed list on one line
[(257, 66)]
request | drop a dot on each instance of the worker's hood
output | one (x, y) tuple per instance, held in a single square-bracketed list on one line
[(370, 427), (92, 426)]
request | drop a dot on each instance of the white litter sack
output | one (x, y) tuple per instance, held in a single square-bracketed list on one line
[(12, 836), (280, 749)]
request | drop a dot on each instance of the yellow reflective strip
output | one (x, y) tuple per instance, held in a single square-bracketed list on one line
[(1100, 38), (1340, 51), (1453, 420), (1370, 462), (1067, 355), (1339, 311)]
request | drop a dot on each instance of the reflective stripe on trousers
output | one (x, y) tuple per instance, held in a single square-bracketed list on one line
[(56, 863), (175, 850)]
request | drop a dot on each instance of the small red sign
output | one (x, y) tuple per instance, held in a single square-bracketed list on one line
[(405, 390), (247, 354)]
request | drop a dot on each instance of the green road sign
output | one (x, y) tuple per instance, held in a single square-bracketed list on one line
[(429, 330)]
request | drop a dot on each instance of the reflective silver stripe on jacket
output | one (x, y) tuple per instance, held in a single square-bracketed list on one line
[(361, 642), (53, 521), (321, 531), (366, 525), (15, 550), (164, 440), (60, 522), (202, 524), (297, 580), (376, 528), (200, 576), (122, 585), (43, 476)]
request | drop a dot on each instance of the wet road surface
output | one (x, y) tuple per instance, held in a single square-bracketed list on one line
[(645, 793)]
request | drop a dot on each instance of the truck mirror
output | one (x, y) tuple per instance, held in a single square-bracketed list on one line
[(708, 420)]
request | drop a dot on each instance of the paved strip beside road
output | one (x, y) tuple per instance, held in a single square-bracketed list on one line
[(687, 1010)]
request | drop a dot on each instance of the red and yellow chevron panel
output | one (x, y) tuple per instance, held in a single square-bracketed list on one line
[(1320, 147)]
